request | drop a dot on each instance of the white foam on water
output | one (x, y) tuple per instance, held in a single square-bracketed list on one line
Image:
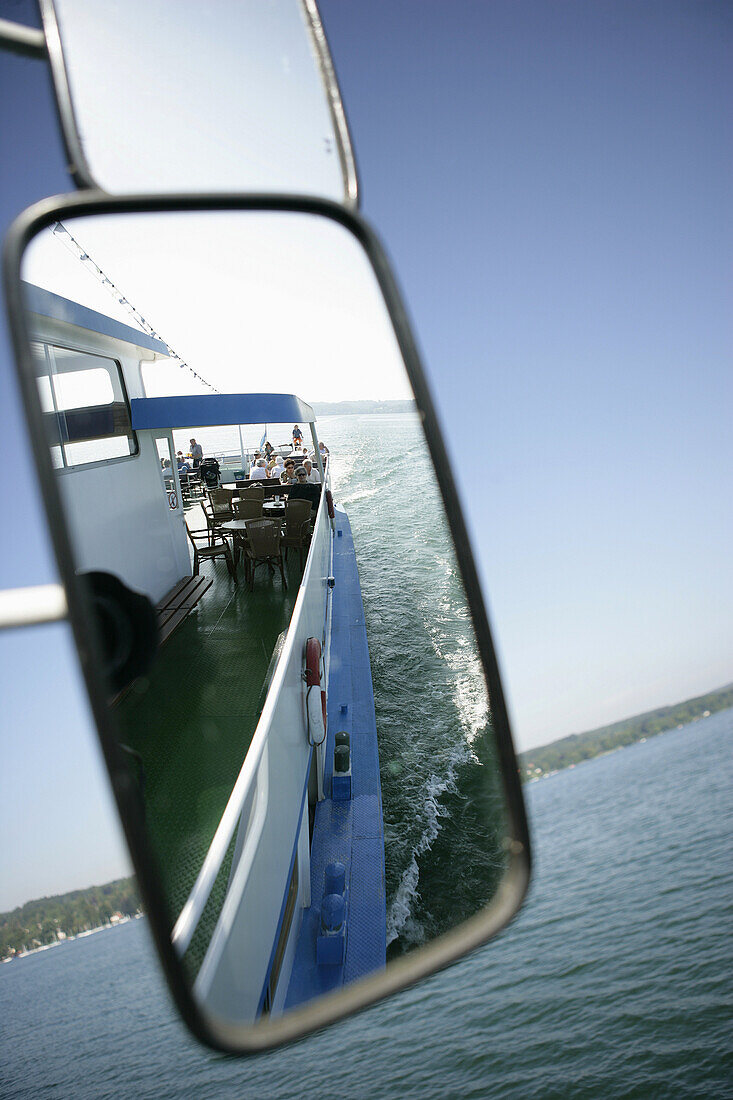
[(399, 916), (458, 652), (358, 494)]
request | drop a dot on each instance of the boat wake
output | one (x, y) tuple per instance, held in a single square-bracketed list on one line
[(442, 817), (453, 649), (400, 921)]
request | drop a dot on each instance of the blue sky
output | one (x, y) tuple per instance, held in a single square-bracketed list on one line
[(551, 181)]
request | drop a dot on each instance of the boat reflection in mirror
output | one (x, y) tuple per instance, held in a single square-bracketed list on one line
[(292, 674)]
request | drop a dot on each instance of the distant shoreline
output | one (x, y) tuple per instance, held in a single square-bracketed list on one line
[(70, 939), (566, 752), (47, 922), (340, 408)]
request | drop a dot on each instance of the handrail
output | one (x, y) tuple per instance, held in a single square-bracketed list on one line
[(193, 908)]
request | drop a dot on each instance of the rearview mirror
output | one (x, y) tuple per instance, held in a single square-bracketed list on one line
[(292, 672), (242, 97)]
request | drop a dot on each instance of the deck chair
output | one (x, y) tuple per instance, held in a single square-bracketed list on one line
[(297, 527), (252, 492), (263, 547), (221, 500), (247, 508), (217, 509), (218, 548)]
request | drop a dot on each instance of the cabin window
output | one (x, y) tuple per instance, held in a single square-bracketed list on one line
[(87, 411)]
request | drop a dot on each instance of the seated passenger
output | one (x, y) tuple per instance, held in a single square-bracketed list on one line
[(302, 490), (258, 472), (313, 477), (278, 469), (288, 476)]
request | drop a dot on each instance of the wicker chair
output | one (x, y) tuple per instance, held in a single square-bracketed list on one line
[(218, 548), (218, 510), (297, 527), (263, 547), (247, 508), (252, 492)]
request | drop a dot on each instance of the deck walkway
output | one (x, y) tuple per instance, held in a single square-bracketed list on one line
[(350, 831), (192, 720)]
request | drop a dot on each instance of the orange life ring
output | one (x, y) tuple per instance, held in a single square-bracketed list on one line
[(313, 673)]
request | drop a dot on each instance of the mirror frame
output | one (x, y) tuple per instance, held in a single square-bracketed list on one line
[(449, 947), (78, 165)]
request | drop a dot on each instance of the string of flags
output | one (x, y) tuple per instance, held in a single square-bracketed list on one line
[(62, 233)]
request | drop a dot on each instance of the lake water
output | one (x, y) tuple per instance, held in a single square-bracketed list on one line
[(614, 981)]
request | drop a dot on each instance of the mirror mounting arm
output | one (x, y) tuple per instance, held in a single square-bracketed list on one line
[(33, 605), (26, 41)]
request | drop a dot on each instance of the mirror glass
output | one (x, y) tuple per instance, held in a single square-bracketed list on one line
[(290, 669), (175, 105)]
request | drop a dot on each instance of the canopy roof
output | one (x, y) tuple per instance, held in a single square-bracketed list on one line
[(213, 410), (44, 302)]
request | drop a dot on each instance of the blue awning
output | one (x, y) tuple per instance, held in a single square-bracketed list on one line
[(213, 410), (48, 304)]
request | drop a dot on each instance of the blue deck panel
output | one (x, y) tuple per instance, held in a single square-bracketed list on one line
[(349, 831)]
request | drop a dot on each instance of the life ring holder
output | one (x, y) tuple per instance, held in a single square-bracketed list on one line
[(312, 677)]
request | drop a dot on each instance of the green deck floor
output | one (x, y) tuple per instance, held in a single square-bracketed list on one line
[(192, 719)]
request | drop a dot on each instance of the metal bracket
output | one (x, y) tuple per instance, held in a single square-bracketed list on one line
[(38, 603), (21, 39)]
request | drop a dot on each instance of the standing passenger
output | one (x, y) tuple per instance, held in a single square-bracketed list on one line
[(197, 453)]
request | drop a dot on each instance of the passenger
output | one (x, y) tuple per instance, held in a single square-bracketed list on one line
[(324, 451), (302, 490), (183, 466), (278, 469), (167, 471), (269, 449), (259, 472), (297, 437), (197, 453), (288, 476), (313, 477)]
